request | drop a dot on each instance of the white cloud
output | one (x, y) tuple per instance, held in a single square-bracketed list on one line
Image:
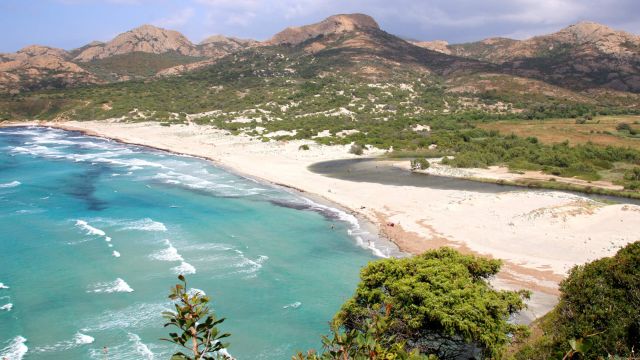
[(176, 20)]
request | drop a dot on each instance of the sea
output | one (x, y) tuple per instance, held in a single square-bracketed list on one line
[(93, 234)]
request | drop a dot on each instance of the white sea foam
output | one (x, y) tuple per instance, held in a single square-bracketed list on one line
[(117, 285), (10, 184), (81, 339), (355, 229), (294, 305), (107, 239), (145, 224), (6, 307), (15, 350), (140, 347), (168, 254), (136, 316), (249, 266), (115, 254), (184, 269), (213, 184), (3, 286), (89, 229)]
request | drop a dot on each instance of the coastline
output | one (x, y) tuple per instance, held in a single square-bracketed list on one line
[(422, 218)]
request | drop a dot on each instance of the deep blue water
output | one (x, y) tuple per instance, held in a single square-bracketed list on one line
[(93, 233)]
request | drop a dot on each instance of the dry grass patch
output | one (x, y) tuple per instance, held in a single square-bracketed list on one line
[(601, 130)]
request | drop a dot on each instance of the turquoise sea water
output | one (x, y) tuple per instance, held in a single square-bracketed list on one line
[(93, 233)]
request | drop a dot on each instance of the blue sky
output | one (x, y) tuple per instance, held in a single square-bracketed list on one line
[(72, 23)]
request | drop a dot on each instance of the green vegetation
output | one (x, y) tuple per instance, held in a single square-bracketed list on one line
[(198, 327), (475, 148), (136, 64), (374, 343), (597, 316), (420, 164), (438, 303)]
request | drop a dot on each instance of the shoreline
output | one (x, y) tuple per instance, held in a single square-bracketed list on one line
[(539, 236)]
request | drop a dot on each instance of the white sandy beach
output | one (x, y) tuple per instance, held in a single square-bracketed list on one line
[(540, 235)]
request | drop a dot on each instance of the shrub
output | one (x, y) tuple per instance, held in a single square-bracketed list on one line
[(304, 147), (597, 315), (356, 149), (198, 327), (439, 303), (623, 127), (420, 164)]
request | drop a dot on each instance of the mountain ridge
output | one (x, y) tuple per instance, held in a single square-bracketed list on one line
[(581, 56)]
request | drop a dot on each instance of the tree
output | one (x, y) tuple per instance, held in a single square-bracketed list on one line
[(198, 326), (597, 315), (373, 344), (438, 303)]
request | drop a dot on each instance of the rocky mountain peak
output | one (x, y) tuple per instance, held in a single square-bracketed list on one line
[(335, 24), (146, 38)]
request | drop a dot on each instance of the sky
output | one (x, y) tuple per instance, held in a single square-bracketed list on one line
[(70, 24)]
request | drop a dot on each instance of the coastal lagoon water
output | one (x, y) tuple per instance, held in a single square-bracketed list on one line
[(94, 232)]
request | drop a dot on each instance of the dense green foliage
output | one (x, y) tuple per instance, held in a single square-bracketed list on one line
[(480, 149), (439, 303), (373, 343), (599, 310), (198, 327)]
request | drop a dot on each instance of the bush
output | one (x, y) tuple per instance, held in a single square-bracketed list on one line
[(438, 303), (623, 127), (356, 149), (304, 147), (598, 310), (420, 164)]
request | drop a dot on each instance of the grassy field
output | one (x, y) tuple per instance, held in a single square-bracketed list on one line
[(601, 130)]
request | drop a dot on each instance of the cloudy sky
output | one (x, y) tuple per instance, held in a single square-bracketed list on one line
[(72, 23)]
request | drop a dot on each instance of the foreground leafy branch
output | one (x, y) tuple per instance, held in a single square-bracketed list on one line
[(200, 337)]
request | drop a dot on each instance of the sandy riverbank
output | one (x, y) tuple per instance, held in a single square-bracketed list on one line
[(540, 235)]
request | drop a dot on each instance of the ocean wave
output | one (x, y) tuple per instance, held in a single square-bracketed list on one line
[(79, 339), (116, 254), (140, 347), (215, 185), (294, 305), (15, 350), (145, 224), (136, 316), (249, 266), (6, 307), (184, 269), (37, 150), (117, 285), (168, 254), (3, 286), (10, 184), (354, 228), (89, 229)]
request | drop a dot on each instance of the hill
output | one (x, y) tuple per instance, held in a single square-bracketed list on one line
[(583, 56)]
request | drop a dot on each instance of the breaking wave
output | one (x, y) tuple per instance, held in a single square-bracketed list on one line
[(116, 286)]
